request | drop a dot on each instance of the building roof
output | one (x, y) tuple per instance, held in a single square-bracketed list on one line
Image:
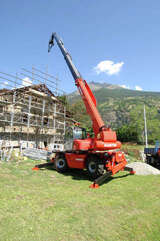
[(39, 87), (36, 90)]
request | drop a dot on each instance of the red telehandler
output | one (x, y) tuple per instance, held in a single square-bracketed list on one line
[(99, 155)]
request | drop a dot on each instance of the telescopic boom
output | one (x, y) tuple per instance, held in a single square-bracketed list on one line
[(84, 89)]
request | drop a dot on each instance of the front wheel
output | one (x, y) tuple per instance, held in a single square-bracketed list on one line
[(61, 164), (93, 168)]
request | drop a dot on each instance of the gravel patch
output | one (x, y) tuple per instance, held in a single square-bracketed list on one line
[(143, 168)]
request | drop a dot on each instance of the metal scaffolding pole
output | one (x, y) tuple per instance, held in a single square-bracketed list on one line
[(64, 120), (28, 121), (145, 128), (43, 109), (54, 122)]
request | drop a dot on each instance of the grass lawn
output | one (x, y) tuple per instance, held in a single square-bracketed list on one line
[(46, 206)]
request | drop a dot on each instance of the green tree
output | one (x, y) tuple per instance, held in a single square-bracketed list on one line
[(128, 133)]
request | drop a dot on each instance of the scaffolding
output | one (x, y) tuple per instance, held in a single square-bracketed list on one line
[(31, 112)]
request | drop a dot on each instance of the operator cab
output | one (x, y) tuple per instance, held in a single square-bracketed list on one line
[(74, 133), (79, 133)]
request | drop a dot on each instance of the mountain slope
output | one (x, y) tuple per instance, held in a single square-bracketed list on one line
[(119, 107), (103, 90)]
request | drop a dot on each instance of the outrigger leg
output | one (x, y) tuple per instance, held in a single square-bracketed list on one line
[(100, 180), (43, 165)]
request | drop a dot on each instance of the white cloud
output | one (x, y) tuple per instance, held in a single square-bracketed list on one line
[(5, 83), (125, 86), (138, 88), (108, 67), (26, 82)]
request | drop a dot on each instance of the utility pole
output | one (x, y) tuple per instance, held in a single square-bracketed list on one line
[(145, 128)]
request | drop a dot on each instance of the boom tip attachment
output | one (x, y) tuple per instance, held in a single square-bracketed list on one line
[(51, 42)]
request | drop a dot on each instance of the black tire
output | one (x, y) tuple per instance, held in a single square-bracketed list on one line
[(61, 164), (148, 159), (94, 169)]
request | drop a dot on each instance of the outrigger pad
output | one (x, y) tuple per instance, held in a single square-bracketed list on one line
[(130, 170), (94, 185), (35, 169)]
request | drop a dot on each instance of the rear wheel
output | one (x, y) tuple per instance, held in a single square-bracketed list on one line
[(148, 160), (94, 168), (61, 164)]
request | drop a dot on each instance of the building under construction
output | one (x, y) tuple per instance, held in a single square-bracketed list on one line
[(31, 112)]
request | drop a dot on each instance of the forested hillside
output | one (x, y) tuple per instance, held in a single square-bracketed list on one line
[(122, 109)]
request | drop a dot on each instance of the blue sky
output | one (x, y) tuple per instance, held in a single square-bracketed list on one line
[(99, 34)]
